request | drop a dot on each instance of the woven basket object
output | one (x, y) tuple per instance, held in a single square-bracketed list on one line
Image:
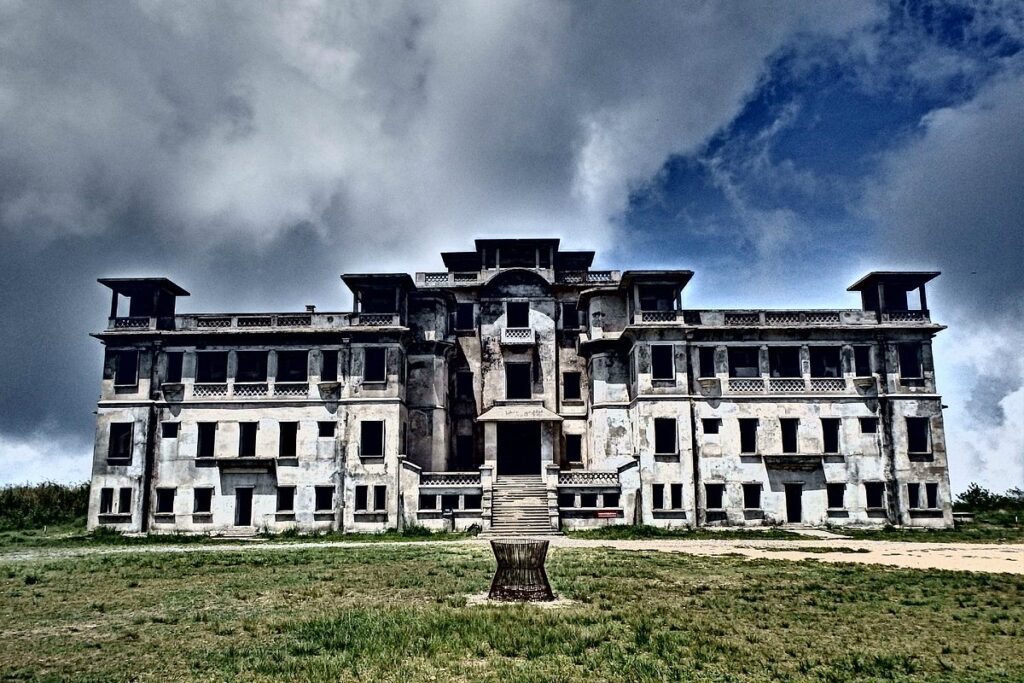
[(520, 576)]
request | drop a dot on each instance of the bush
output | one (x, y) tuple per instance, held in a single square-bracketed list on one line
[(978, 499), (36, 505)]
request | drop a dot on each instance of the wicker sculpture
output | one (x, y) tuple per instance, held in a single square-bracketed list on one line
[(520, 576)]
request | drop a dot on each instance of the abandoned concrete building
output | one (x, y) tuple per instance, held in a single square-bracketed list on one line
[(518, 391)]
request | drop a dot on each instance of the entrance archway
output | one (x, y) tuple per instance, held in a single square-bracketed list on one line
[(518, 448)]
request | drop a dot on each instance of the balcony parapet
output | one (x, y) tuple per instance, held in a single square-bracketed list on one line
[(781, 318), (235, 390), (518, 336), (588, 479), (796, 385), (587, 277), (375, 320), (448, 279)]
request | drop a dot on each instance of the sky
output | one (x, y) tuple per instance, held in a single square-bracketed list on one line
[(252, 152)]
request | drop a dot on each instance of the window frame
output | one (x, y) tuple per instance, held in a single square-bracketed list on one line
[(288, 447), (121, 354), (529, 375), (520, 306), (926, 422), (161, 497), (125, 439), (288, 496), (658, 434), (566, 385), (719, 488), (835, 486), (382, 377), (321, 490), (364, 425), (758, 487), (661, 348), (207, 491), (756, 428), (212, 427)]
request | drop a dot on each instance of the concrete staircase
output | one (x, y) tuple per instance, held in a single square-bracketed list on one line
[(519, 507)]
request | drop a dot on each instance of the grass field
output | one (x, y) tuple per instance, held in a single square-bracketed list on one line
[(391, 613)]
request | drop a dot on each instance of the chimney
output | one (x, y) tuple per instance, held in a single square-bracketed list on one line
[(310, 308)]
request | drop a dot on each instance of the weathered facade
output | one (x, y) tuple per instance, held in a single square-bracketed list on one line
[(518, 391)]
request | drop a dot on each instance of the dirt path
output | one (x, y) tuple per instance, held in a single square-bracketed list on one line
[(973, 557)]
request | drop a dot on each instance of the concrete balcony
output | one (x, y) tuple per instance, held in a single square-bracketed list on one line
[(375, 320), (459, 279), (518, 336)]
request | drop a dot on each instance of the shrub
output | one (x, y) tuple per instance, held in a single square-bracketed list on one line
[(36, 505)]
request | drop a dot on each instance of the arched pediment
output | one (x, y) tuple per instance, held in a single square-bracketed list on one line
[(516, 283)]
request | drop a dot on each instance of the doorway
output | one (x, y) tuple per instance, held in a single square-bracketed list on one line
[(518, 448), (243, 507), (794, 503)]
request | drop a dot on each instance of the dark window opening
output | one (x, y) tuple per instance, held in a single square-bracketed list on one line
[(571, 386), (588, 500), (375, 361), (288, 438), (932, 494), (464, 385), (450, 501), (285, 498), (518, 380), (748, 435), (676, 493), (665, 436), (574, 448), (472, 501), (862, 361), (784, 361), (789, 426), (830, 434), (662, 361), (212, 367), (361, 498), (610, 500), (836, 496), (324, 498), (329, 366), (252, 366), (743, 362), (570, 315), (825, 361), (175, 361), (428, 501), (325, 430), (464, 317), (710, 425), (657, 298), (292, 366), (752, 496), (207, 439), (124, 501), (910, 360), (380, 497), (126, 372), (120, 446), (868, 425), (874, 491), (917, 435), (202, 501), (169, 430), (713, 495), (706, 356), (106, 501), (566, 500), (658, 496), (247, 439), (517, 314), (165, 501), (371, 438), (914, 496), (464, 451)]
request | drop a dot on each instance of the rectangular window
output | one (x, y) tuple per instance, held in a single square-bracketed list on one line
[(710, 425), (574, 448), (375, 364), (862, 361), (588, 500), (106, 501), (914, 496), (247, 439), (658, 496), (252, 366), (287, 439), (932, 494), (518, 380), (713, 495), (570, 316), (566, 500), (662, 361), (784, 361), (371, 438), (825, 361), (380, 497), (127, 370), (743, 362), (836, 496), (748, 435), (472, 501), (918, 440), (428, 501), (450, 501), (571, 386), (124, 501), (676, 491), (517, 314), (752, 496), (910, 360), (665, 436), (325, 430), (175, 362), (464, 317), (361, 497), (169, 430), (464, 385), (165, 501), (292, 366), (286, 499), (610, 500), (830, 434), (212, 367), (202, 501), (706, 356), (324, 498), (874, 492), (120, 446), (329, 365), (206, 442), (789, 432), (868, 425)]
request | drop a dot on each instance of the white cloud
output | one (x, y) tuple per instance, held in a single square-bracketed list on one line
[(48, 456)]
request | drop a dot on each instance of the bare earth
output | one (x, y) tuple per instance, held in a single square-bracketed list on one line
[(972, 557)]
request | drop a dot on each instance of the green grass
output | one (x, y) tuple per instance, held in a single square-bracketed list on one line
[(627, 532), (398, 613), (987, 528)]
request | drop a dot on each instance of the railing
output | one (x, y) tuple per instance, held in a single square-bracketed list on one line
[(291, 388), (447, 279), (518, 335), (905, 316), (660, 316), (579, 277), (209, 390), (450, 479), (827, 384), (746, 385), (218, 322), (743, 319), (131, 323), (786, 318), (786, 385), (251, 389), (375, 319), (588, 478)]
